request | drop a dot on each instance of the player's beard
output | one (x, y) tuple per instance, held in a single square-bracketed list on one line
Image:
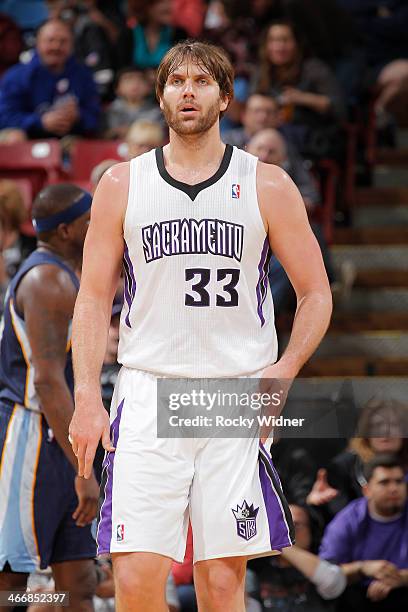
[(191, 126)]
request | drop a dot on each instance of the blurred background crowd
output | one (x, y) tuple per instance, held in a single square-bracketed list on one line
[(320, 87)]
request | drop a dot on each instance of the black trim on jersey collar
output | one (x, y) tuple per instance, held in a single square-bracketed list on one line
[(193, 190)]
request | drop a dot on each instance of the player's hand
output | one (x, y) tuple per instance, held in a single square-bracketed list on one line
[(88, 494), (291, 95), (89, 424), (321, 492), (276, 381), (70, 109)]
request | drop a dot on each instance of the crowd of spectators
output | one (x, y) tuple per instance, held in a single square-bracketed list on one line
[(317, 61), (302, 69)]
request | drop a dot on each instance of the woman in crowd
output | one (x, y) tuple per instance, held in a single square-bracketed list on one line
[(310, 97), (152, 31)]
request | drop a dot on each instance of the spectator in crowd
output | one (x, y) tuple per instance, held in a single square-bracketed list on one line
[(99, 170), (52, 95), (270, 148), (11, 42), (236, 25), (329, 34), (143, 136), (153, 32), (12, 215), (260, 112), (309, 95), (189, 15), (369, 539), (297, 579), (382, 26), (46, 520), (382, 427), (99, 32), (132, 103)]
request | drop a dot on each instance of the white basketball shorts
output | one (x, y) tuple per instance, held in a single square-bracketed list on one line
[(151, 487)]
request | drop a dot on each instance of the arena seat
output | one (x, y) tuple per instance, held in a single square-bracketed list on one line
[(86, 154), (38, 161)]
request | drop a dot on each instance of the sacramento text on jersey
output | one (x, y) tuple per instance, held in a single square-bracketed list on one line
[(185, 236)]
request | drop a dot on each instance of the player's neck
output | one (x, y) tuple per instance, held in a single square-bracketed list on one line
[(193, 151), (73, 261)]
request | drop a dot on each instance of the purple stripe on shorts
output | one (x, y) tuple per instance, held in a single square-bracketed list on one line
[(278, 529), (130, 282), (104, 533), (263, 273), (279, 489)]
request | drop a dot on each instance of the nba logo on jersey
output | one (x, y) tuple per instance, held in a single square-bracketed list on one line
[(246, 520), (236, 190), (120, 533)]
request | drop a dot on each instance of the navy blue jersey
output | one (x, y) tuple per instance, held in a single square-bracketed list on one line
[(16, 367)]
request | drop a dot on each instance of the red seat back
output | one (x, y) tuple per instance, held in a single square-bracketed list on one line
[(86, 154), (39, 161)]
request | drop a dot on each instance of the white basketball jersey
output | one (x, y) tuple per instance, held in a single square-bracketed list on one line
[(197, 298)]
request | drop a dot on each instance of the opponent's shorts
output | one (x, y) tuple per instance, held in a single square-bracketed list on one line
[(37, 496), (152, 486)]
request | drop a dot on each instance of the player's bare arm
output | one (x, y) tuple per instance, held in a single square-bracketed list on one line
[(294, 244), (102, 261), (46, 297)]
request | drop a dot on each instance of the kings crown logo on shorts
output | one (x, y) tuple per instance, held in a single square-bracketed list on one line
[(246, 520), (236, 190), (120, 533)]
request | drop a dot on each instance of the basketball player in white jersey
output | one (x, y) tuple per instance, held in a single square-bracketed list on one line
[(193, 224)]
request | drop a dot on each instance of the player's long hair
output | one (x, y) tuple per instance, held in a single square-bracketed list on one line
[(211, 58)]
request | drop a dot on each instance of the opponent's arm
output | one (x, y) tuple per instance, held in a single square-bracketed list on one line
[(46, 297), (294, 244), (103, 254)]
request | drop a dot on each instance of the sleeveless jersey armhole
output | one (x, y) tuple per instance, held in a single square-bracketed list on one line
[(257, 212), (131, 193)]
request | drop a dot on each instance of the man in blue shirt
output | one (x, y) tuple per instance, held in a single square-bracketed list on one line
[(369, 539), (53, 94)]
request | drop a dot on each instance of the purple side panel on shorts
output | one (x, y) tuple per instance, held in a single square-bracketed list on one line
[(278, 530), (269, 458), (130, 282), (104, 534), (261, 286)]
